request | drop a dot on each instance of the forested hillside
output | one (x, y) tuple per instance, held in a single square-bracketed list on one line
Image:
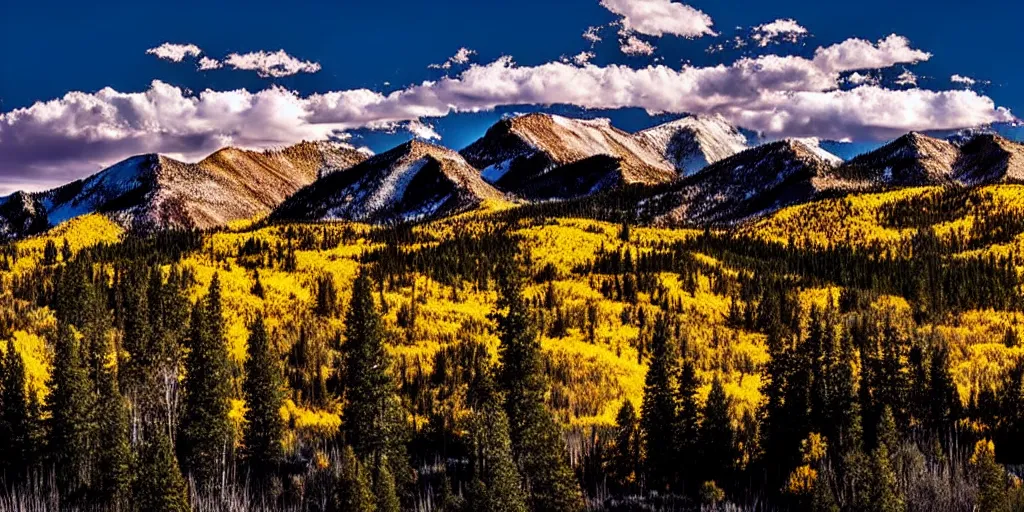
[(857, 353)]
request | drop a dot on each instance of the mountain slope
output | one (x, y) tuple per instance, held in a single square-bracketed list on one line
[(692, 143), (516, 152), (414, 181), (748, 184), (988, 158), (911, 160), (153, 190)]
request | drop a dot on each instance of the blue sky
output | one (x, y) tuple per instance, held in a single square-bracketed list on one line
[(52, 48)]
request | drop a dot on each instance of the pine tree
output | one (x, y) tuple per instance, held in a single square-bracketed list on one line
[(717, 438), (658, 411), (384, 492), (354, 492), (687, 424), (72, 423), (536, 439), (17, 453), (886, 496), (159, 486), (373, 421), (625, 458), (497, 484), (205, 429), (113, 451), (263, 399), (944, 398)]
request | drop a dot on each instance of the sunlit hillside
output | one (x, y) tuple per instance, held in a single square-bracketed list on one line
[(595, 290)]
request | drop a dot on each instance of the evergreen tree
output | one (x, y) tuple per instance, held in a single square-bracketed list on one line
[(263, 399), (717, 438), (944, 399), (354, 492), (373, 421), (886, 495), (497, 484), (536, 439), (72, 424), (626, 452), (113, 451), (658, 411), (384, 492), (17, 452), (687, 425), (159, 485), (205, 429)]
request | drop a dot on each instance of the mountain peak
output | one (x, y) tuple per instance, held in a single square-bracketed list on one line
[(413, 181), (694, 142), (515, 154), (913, 159)]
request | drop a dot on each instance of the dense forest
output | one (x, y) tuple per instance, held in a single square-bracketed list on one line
[(852, 354)]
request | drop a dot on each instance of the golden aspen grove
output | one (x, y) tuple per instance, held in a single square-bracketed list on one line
[(896, 290)]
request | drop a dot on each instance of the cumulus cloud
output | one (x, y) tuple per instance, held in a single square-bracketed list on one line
[(660, 17), (857, 78), (779, 96), (460, 58), (271, 64), (422, 130), (206, 63), (855, 54), (583, 58), (780, 30), (175, 52), (907, 79), (634, 46)]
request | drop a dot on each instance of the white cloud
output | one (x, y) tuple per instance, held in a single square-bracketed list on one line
[(660, 17), (907, 79), (856, 78), (593, 34), (422, 130), (175, 52), (206, 63), (271, 64), (780, 30), (460, 58), (963, 80), (583, 58), (854, 54), (780, 96), (634, 46)]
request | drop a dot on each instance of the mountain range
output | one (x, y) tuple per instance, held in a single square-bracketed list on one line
[(695, 170)]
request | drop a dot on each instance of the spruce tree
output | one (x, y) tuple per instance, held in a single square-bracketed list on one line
[(354, 491), (687, 425), (717, 438), (658, 412), (536, 439), (385, 493), (497, 484), (625, 460), (263, 399), (205, 429), (72, 423), (159, 485), (113, 450), (17, 452), (373, 420)]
